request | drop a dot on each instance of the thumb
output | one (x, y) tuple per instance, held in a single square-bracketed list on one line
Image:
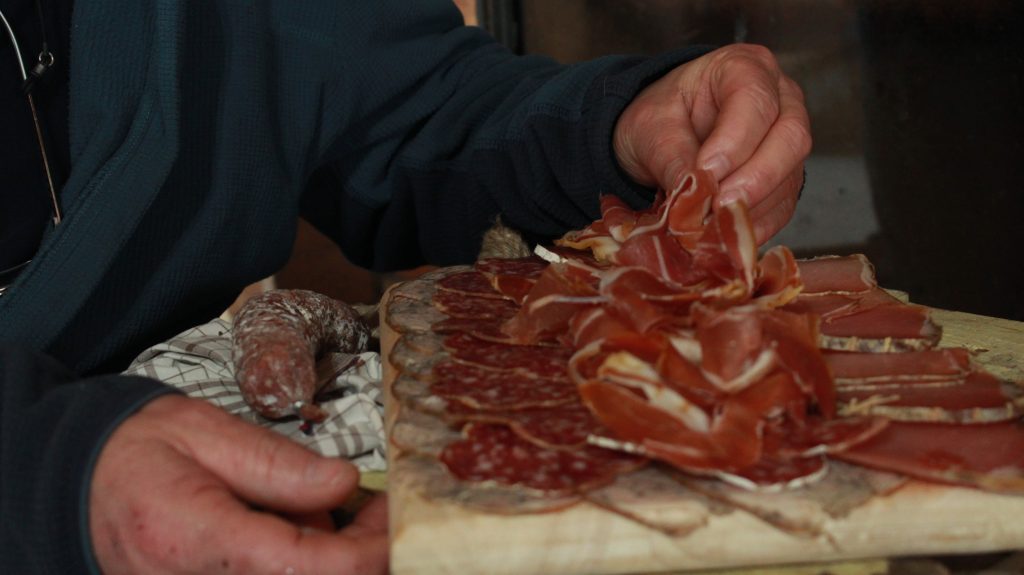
[(654, 139), (261, 466)]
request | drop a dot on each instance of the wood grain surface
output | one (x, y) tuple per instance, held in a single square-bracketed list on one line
[(431, 536)]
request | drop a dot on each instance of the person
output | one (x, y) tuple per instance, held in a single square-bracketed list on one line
[(196, 134)]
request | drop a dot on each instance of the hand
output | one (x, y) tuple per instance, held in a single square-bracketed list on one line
[(732, 112), (183, 487)]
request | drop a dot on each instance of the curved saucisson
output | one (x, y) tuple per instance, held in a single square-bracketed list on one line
[(276, 339)]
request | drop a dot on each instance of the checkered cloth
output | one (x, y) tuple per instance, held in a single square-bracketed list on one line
[(198, 362)]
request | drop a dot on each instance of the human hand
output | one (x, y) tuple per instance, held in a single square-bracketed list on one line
[(183, 487), (732, 112)]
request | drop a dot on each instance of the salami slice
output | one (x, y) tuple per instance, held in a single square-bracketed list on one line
[(485, 389), (530, 267), (432, 480), (276, 339), (407, 315), (455, 304), (541, 361), (493, 453), (471, 283), (565, 427)]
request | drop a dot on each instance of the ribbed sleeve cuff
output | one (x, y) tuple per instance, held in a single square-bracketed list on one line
[(54, 427), (138, 391)]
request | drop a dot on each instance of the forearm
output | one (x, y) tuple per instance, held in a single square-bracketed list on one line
[(52, 426), (451, 129), (539, 153)]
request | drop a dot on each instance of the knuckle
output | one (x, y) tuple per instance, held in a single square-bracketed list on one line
[(760, 54), (793, 88), (765, 102), (796, 136)]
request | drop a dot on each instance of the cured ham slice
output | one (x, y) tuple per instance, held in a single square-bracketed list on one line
[(979, 398), (871, 321), (850, 275), (562, 291), (888, 328), (733, 442), (985, 456), (727, 251), (930, 365), (778, 278)]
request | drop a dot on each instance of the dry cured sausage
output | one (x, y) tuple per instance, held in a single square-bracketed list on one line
[(276, 339)]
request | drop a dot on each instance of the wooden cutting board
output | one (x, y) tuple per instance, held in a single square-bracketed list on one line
[(428, 536)]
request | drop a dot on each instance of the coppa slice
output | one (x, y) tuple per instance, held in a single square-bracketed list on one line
[(852, 274), (985, 456), (977, 398), (850, 369)]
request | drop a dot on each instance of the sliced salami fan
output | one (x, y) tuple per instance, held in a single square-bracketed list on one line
[(471, 283), (417, 354), (493, 453), (541, 361), (421, 433), (565, 427), (530, 267), (430, 478), (486, 389), (455, 304), (406, 315)]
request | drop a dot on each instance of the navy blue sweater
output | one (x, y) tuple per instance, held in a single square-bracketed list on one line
[(200, 131)]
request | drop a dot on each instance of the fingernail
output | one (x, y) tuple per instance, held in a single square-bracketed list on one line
[(731, 195), (718, 165), (322, 471)]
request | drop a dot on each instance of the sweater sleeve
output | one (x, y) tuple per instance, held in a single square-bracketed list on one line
[(53, 427), (437, 129)]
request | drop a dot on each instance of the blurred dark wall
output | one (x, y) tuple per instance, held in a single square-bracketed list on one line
[(915, 105)]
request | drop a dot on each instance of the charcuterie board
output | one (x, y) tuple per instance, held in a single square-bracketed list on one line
[(642, 523)]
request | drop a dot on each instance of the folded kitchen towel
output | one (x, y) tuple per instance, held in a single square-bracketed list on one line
[(198, 362)]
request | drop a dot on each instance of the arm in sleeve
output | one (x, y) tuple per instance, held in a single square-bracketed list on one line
[(438, 129), (52, 427)]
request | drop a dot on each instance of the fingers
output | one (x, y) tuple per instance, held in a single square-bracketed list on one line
[(775, 211), (265, 543), (784, 147), (261, 466), (372, 518), (744, 83), (158, 505), (654, 140)]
